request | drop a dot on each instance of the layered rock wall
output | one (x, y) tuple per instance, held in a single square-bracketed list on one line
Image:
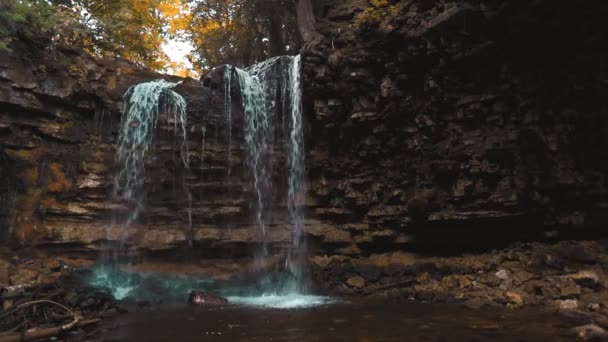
[(439, 121), (429, 124)]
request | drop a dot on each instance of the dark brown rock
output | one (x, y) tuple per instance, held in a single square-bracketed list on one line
[(205, 299), (591, 332)]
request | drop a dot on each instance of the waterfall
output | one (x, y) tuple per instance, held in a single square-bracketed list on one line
[(228, 110), (144, 103), (271, 103), (258, 140), (296, 179), (260, 86)]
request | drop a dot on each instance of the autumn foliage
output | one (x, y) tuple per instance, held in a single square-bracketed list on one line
[(239, 32)]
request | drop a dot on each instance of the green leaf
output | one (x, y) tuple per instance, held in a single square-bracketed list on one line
[(4, 46)]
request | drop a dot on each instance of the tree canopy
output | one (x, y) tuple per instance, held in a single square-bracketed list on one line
[(239, 32)]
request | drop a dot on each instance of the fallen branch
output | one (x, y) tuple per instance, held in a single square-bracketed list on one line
[(28, 304), (34, 334)]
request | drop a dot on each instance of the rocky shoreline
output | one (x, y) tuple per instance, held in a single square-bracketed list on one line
[(568, 278)]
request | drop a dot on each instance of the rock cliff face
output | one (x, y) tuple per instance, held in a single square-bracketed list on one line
[(60, 110), (431, 126), (458, 121)]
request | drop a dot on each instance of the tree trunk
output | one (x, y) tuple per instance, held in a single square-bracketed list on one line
[(307, 24), (277, 45)]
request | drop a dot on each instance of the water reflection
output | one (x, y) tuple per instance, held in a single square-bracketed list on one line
[(359, 320)]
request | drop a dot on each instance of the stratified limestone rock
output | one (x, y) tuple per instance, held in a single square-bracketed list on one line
[(445, 121), (434, 125)]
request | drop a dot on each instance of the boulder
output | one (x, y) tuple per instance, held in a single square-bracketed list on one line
[(591, 332), (204, 299)]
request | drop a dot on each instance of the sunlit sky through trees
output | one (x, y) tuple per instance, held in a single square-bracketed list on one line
[(180, 37), (177, 52)]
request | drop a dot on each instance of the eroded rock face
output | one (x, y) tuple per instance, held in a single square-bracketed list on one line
[(58, 128), (443, 121), (59, 113), (431, 126)]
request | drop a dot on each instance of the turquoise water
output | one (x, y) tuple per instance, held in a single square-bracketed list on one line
[(142, 287)]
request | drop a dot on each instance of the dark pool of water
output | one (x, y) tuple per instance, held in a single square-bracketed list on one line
[(360, 320)]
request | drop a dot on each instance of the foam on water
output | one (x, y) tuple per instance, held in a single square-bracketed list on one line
[(105, 278), (281, 301), (147, 287), (151, 287)]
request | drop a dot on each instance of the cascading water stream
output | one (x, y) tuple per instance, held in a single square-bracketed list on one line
[(269, 92), (297, 252), (258, 139), (228, 112), (261, 85), (144, 104)]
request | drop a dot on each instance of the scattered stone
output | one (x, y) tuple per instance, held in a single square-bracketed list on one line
[(570, 291), (586, 278), (567, 305), (522, 276), (464, 282), (53, 265), (515, 299), (24, 275), (356, 282), (591, 332)]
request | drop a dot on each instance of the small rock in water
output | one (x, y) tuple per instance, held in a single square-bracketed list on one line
[(356, 281), (204, 298)]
